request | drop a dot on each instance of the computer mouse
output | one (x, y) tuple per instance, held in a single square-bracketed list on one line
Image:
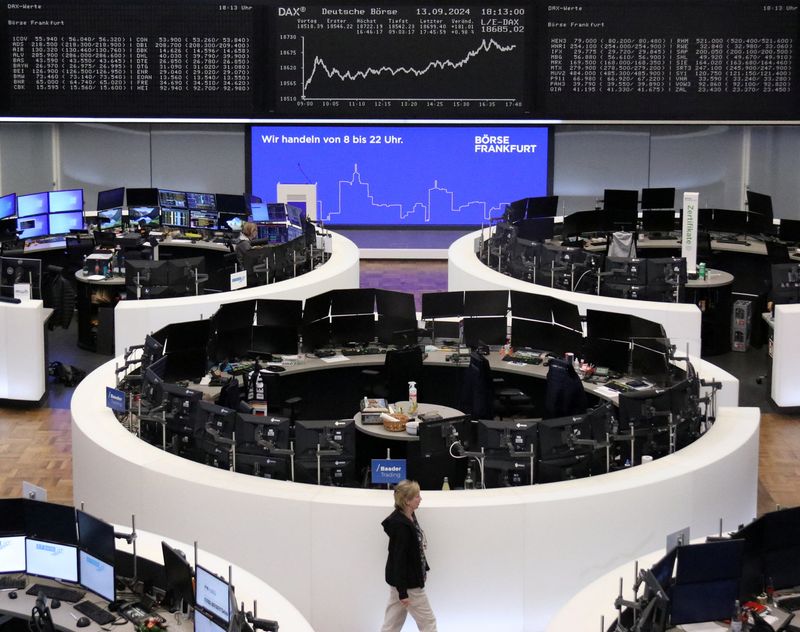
[(12, 594), (83, 622), (55, 603)]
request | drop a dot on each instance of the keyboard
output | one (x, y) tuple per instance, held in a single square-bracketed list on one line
[(136, 613), (96, 613), (527, 359), (790, 603), (9, 581), (56, 592)]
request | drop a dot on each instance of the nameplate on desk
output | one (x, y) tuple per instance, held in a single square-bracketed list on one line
[(239, 280), (115, 399), (388, 471), (22, 291)]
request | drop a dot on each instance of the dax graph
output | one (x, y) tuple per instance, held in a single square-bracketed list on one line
[(366, 60)]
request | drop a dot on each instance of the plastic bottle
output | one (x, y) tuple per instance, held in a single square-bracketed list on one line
[(701, 270), (412, 397), (468, 482), (445, 485), (736, 618)]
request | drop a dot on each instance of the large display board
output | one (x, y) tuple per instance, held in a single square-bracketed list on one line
[(410, 175), (519, 59)]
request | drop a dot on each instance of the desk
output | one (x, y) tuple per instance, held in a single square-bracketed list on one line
[(713, 296), (96, 299), (785, 388), (378, 431), (135, 319), (272, 605), (324, 550)]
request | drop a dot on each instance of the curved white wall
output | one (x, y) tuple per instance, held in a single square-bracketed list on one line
[(133, 320), (466, 272), (502, 559), (22, 351)]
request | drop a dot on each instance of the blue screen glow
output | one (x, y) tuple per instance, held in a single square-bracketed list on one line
[(8, 205), (62, 223), (70, 200), (32, 204), (35, 226), (411, 175)]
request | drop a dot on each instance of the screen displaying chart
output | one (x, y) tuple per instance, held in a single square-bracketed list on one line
[(410, 175), (402, 59)]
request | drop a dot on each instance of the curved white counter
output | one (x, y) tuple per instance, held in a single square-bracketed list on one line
[(133, 320), (466, 272), (501, 559)]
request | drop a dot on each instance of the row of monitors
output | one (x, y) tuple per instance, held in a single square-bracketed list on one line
[(700, 582), (61, 543), (13, 205), (664, 199), (222, 202)]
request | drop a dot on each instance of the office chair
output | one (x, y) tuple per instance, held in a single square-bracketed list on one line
[(777, 252), (621, 244), (483, 396), (402, 366), (564, 394)]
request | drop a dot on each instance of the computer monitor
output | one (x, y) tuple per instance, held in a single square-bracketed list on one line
[(96, 537), (53, 560), (612, 354), (32, 204), (141, 197), (760, 203), (110, 218), (488, 330), (706, 581), (175, 217), (295, 214), (179, 575), (626, 271), (507, 437), (212, 594), (172, 199), (65, 201), (642, 408), (336, 434), (542, 206), (567, 315), (143, 273), (184, 275), (560, 458), (658, 198), (278, 339), (21, 271), (355, 329), (730, 221), (231, 222), (785, 282), (357, 301), (231, 203), (276, 212), (203, 219), (396, 304), (622, 219), (614, 326), (97, 575), (235, 316), (317, 307), (620, 200), (49, 521), (259, 212), (437, 436), (33, 226), (64, 223), (658, 221), (144, 216), (536, 229), (12, 554), (789, 230), (485, 303), (261, 433), (111, 198), (8, 205), (532, 306), (442, 305), (201, 201), (204, 623), (531, 334), (583, 222), (12, 516), (153, 382)]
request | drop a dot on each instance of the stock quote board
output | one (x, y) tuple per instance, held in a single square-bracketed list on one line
[(514, 60)]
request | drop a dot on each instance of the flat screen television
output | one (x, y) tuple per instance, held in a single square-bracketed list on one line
[(8, 205), (67, 200), (424, 176), (32, 204)]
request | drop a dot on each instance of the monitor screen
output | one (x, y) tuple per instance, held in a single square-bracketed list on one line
[(175, 217), (212, 594), (620, 200), (32, 204), (111, 198), (33, 226), (726, 221), (12, 516), (410, 175), (202, 623), (228, 203), (789, 230), (436, 437), (110, 218), (485, 303), (49, 521), (51, 560), (141, 197), (660, 198), (279, 312), (97, 576), (12, 554), (487, 330), (8, 205), (658, 221), (442, 305), (147, 216), (356, 301), (203, 219), (259, 212), (231, 221), (95, 536), (172, 199), (759, 203), (179, 575), (201, 201), (63, 223), (276, 212), (63, 201), (325, 433)]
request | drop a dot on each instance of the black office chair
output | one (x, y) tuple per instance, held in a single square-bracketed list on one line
[(484, 397), (564, 393), (400, 367), (777, 252)]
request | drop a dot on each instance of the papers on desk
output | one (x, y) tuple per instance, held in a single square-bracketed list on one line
[(708, 626), (94, 277), (608, 393), (335, 358)]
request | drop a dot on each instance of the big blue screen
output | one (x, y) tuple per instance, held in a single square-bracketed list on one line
[(68, 200), (8, 205), (32, 204), (62, 223), (410, 175)]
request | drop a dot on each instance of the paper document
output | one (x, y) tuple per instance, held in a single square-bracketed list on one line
[(336, 358)]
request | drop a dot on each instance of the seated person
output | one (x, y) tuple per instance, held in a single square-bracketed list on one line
[(249, 232)]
